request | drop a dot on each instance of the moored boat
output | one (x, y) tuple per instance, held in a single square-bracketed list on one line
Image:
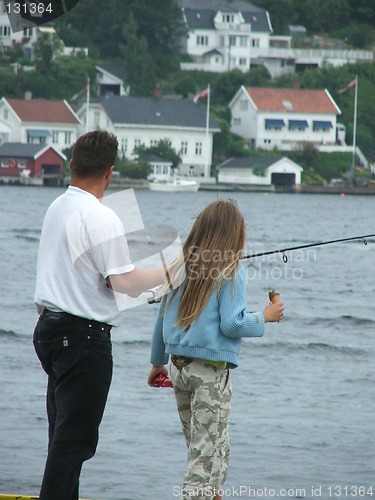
[(177, 183)]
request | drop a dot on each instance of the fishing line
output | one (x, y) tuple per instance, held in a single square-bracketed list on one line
[(155, 298), (320, 243)]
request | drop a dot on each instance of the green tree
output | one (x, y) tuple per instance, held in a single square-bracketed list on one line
[(227, 86), (70, 75), (282, 13), (139, 66), (185, 85), (163, 149), (98, 24), (134, 170), (325, 15), (162, 26), (47, 48), (306, 155)]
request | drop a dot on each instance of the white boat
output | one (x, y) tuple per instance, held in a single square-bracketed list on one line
[(176, 183), (25, 179)]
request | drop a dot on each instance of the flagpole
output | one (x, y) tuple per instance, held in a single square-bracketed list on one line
[(351, 174), (87, 104), (207, 127)]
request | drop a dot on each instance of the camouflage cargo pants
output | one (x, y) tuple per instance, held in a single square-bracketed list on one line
[(203, 394)]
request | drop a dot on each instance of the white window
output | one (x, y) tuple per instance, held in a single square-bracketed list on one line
[(124, 145), (137, 143), (198, 149), (184, 147), (68, 137), (222, 41), (5, 30), (55, 137), (242, 61), (243, 105), (228, 18), (202, 40), (237, 121), (255, 42), (243, 41), (28, 32), (267, 141), (153, 142), (5, 164), (232, 41)]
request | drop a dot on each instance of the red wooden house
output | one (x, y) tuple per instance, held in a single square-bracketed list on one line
[(31, 164)]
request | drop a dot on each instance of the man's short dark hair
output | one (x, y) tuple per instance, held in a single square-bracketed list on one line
[(94, 153)]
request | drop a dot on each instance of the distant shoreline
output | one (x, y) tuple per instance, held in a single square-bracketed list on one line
[(302, 189)]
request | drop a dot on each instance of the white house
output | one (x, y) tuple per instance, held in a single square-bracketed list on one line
[(25, 33), (284, 119), (147, 120), (38, 121), (110, 78), (161, 169), (8, 39), (224, 35), (260, 171)]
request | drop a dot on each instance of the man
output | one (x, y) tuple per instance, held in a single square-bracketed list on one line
[(83, 256)]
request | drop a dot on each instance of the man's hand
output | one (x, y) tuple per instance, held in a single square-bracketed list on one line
[(137, 281)]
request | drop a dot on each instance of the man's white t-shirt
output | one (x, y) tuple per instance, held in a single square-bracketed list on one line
[(82, 242)]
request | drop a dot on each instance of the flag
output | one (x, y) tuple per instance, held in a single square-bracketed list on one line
[(204, 93), (351, 84), (85, 88)]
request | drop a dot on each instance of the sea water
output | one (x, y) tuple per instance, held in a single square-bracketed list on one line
[(302, 422)]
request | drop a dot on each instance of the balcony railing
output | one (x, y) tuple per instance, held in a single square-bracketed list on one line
[(306, 54), (233, 27)]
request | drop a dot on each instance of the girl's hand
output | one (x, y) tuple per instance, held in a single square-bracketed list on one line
[(155, 371), (273, 312)]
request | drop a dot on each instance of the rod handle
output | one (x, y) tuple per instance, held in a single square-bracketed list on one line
[(274, 296)]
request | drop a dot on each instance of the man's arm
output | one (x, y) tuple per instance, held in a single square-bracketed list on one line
[(137, 281)]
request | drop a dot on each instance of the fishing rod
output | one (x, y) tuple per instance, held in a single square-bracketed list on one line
[(309, 245), (155, 298)]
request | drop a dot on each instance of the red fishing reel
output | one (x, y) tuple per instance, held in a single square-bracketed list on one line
[(161, 381)]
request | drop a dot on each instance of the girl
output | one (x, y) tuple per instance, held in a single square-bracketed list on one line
[(200, 326)]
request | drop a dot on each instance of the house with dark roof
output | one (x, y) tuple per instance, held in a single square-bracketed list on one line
[(147, 120), (284, 119), (31, 164), (222, 34), (111, 79), (161, 169), (262, 172), (234, 34), (38, 121)]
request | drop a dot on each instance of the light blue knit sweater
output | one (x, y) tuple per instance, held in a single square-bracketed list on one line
[(217, 333)]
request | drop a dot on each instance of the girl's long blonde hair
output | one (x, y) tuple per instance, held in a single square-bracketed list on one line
[(211, 255)]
